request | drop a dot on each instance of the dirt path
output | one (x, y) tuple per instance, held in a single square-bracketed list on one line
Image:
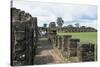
[(46, 54)]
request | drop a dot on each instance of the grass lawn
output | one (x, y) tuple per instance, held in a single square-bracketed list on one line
[(84, 37)]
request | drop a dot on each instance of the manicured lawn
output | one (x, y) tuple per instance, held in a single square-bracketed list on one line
[(85, 37)]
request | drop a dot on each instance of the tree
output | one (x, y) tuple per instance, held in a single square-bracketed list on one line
[(70, 28), (83, 29), (60, 22), (77, 25), (45, 25)]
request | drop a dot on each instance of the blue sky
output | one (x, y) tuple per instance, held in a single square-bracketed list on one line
[(71, 13)]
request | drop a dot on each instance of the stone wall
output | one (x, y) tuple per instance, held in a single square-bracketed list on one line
[(23, 37), (88, 52)]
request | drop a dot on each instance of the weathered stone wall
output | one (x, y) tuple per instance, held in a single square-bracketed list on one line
[(88, 52), (23, 38)]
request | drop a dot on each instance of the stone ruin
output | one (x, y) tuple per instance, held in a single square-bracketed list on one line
[(88, 52), (23, 37), (71, 48), (52, 33)]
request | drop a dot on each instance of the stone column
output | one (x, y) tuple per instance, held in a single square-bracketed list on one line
[(65, 42), (56, 41), (65, 45), (74, 49), (59, 42)]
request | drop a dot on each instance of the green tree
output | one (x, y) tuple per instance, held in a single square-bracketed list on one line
[(70, 28), (45, 25), (60, 22), (77, 25)]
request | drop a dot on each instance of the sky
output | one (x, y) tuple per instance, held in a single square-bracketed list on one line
[(71, 13)]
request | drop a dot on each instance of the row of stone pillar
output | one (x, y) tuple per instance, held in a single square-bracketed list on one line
[(68, 46), (72, 49)]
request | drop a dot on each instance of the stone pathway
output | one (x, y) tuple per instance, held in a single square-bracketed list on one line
[(45, 53)]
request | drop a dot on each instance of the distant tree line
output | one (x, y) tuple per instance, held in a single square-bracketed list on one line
[(71, 28)]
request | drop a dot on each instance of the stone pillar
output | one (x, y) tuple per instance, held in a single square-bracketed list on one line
[(65, 42), (35, 34), (65, 45), (74, 49), (59, 42), (56, 41)]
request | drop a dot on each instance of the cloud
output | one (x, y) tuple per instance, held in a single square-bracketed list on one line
[(88, 23), (48, 12), (45, 19)]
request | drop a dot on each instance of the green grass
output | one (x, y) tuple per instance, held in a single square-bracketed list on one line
[(85, 37)]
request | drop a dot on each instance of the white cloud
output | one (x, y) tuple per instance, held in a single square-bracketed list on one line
[(84, 23), (45, 19), (48, 12)]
